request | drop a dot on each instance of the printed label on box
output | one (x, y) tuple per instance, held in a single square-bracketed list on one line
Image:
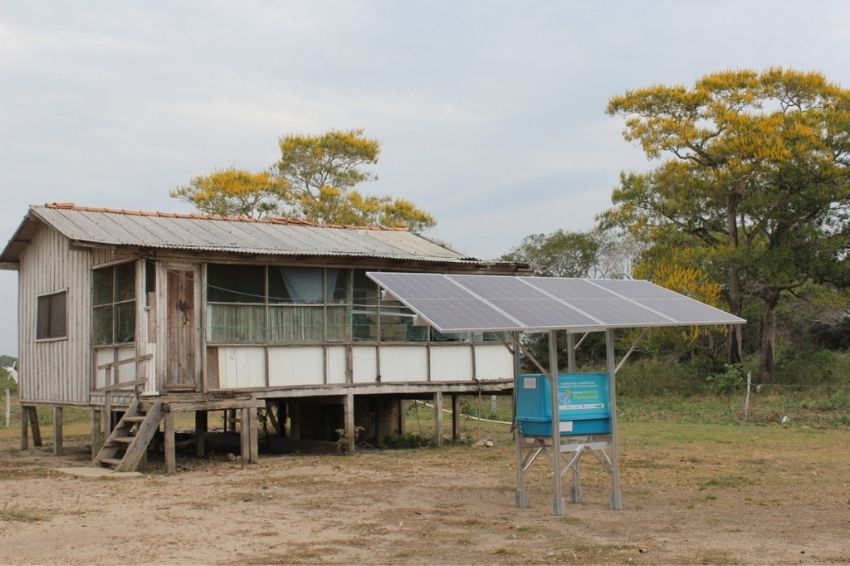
[(566, 426), (580, 396), (529, 383)]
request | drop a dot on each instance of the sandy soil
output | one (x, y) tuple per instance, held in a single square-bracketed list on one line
[(693, 495)]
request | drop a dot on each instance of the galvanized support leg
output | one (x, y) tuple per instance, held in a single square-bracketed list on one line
[(520, 499), (571, 353), (616, 494), (557, 498), (576, 491)]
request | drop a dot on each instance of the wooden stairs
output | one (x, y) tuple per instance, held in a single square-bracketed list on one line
[(126, 446)]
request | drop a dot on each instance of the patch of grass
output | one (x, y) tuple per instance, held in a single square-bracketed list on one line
[(729, 481), (18, 515), (527, 528)]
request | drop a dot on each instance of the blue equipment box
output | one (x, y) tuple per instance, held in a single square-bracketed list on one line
[(582, 404)]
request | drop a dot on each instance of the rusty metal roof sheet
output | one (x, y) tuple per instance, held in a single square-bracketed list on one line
[(274, 237)]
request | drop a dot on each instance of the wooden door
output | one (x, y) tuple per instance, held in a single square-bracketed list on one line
[(182, 334)]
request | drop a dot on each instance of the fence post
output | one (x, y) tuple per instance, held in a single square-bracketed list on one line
[(747, 396)]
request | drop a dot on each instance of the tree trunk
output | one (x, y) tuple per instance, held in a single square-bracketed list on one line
[(735, 343), (768, 339)]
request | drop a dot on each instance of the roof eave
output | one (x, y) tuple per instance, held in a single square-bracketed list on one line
[(19, 241)]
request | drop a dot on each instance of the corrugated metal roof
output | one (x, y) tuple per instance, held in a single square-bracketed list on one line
[(232, 235)]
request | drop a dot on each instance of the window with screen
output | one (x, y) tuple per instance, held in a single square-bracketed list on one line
[(273, 304), (52, 316)]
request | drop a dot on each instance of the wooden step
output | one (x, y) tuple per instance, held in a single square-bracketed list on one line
[(127, 444)]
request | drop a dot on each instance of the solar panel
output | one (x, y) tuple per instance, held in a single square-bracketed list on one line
[(636, 289), (687, 311), (599, 303), (419, 285), (445, 305), (530, 306), (568, 289), (463, 303)]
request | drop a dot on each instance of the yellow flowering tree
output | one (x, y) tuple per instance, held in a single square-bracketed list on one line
[(314, 180), (753, 180)]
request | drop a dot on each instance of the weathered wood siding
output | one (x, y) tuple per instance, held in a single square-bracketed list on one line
[(55, 371)]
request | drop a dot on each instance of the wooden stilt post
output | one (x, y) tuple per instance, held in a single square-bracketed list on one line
[(201, 425), (455, 419), (25, 444), (402, 418), (438, 419), (36, 429), (294, 420), (244, 437), (380, 421), (57, 430), (170, 448), (253, 436), (281, 418), (95, 433), (350, 433)]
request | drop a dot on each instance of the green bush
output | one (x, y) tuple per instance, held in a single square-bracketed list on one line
[(727, 382), (810, 366)]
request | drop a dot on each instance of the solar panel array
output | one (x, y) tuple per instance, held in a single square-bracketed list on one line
[(465, 303)]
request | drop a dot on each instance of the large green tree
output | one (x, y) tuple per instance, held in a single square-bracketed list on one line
[(753, 186), (314, 180)]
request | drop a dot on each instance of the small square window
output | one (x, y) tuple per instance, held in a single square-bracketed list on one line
[(52, 316)]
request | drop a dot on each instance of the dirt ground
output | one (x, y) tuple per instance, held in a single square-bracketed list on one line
[(693, 494)]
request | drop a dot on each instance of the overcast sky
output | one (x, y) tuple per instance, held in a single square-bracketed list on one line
[(490, 114)]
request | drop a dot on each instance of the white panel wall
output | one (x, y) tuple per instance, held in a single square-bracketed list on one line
[(336, 364), (404, 363), (296, 366), (102, 356), (127, 372), (493, 362), (241, 367), (451, 363), (365, 361)]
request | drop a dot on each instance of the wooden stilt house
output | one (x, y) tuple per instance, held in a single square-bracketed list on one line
[(139, 315)]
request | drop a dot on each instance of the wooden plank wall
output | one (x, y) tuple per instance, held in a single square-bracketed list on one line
[(55, 371)]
